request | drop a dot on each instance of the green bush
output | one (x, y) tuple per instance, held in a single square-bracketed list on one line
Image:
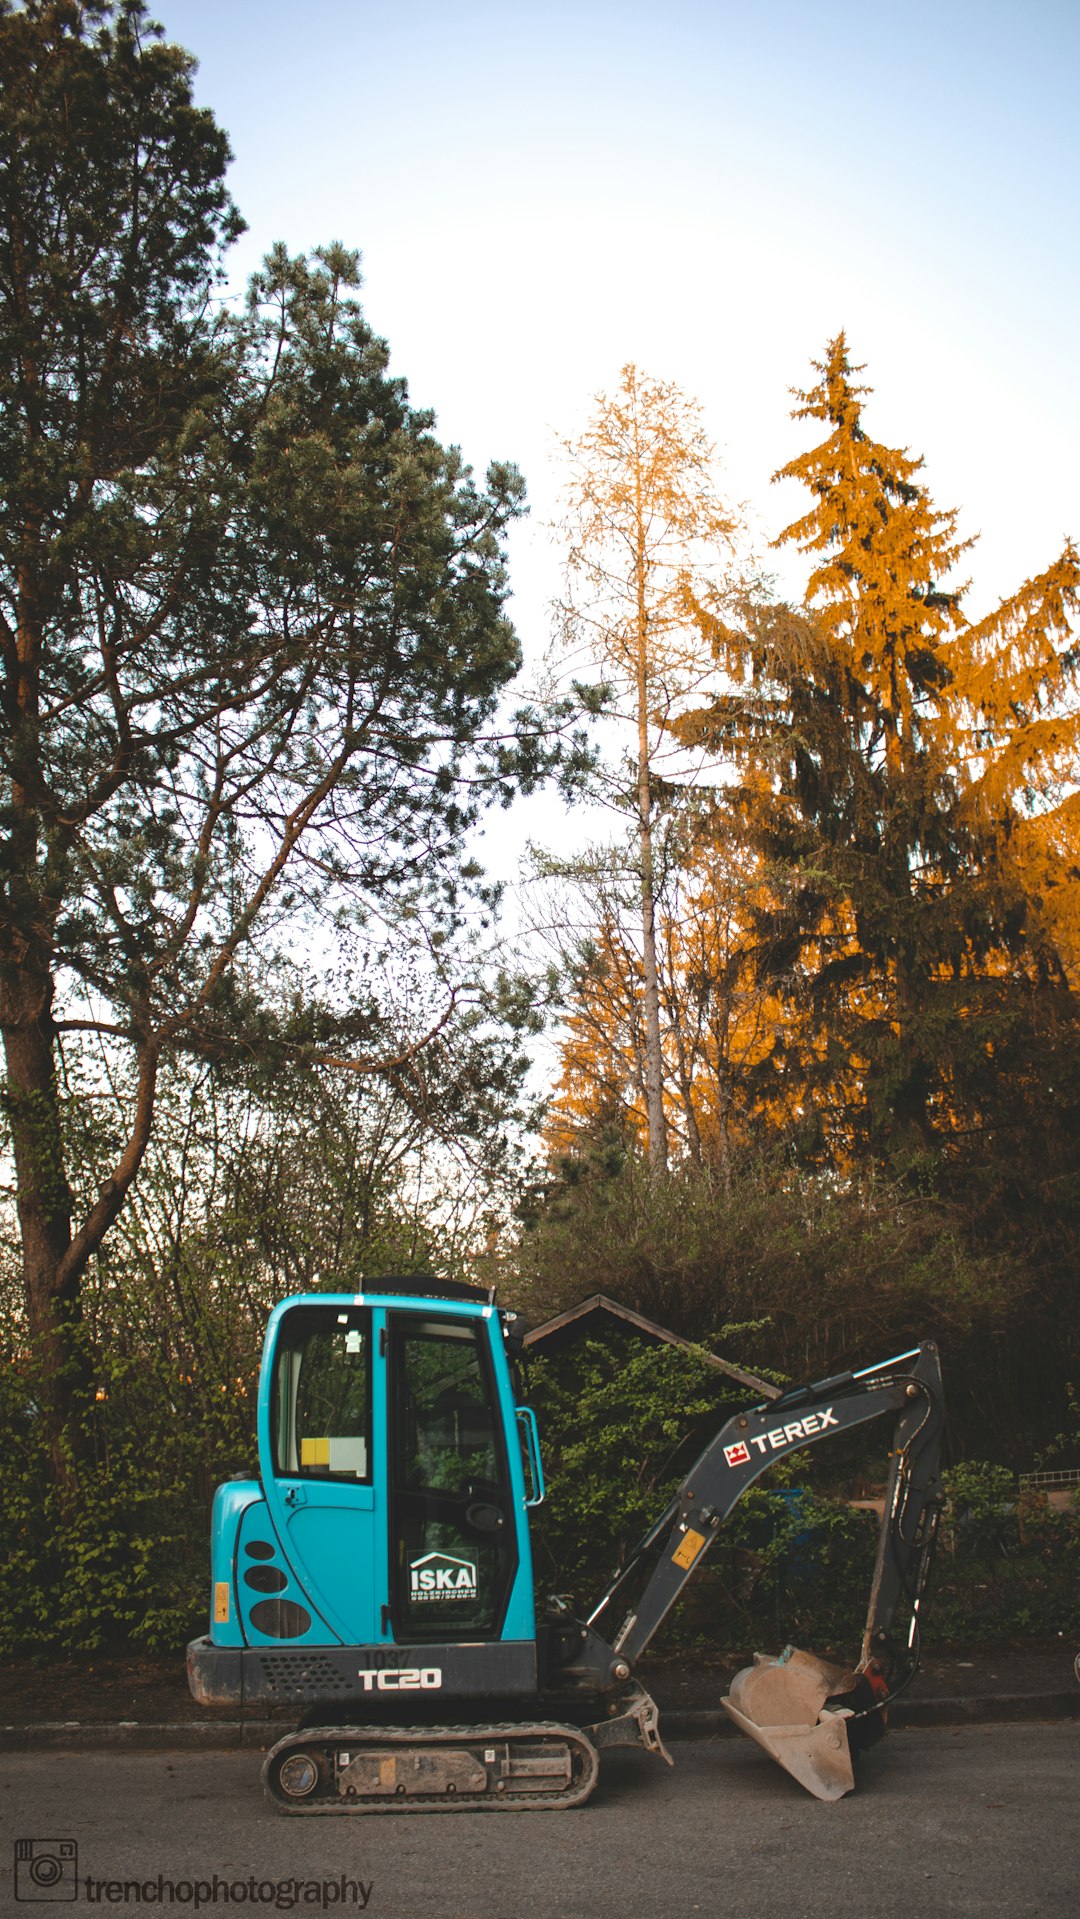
[(621, 1425), (1009, 1565), (620, 1421), (125, 1563), (833, 1273)]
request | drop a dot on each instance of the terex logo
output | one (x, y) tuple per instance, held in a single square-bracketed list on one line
[(441, 1576), (798, 1429)]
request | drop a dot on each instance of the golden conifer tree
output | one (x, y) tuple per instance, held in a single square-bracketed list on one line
[(900, 765), (1015, 735)]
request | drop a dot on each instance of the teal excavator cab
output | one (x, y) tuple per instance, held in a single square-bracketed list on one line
[(378, 1573)]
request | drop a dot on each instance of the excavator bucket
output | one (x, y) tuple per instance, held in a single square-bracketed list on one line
[(780, 1702)]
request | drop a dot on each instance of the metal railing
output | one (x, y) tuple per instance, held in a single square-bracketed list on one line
[(1070, 1477)]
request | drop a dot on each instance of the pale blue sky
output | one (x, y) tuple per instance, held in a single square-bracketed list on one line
[(543, 192)]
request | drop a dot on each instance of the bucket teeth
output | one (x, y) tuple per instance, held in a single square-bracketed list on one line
[(780, 1703)]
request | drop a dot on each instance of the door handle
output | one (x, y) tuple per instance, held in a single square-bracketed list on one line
[(531, 1449), (295, 1496)]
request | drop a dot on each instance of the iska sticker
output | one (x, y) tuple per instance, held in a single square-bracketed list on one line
[(439, 1577)]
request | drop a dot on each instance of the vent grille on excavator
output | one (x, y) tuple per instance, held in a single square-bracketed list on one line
[(291, 1674)]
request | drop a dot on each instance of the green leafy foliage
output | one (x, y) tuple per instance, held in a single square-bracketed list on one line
[(619, 1423), (1010, 1562), (127, 1567), (254, 647), (252, 1190), (793, 1564), (816, 1273), (622, 1425)]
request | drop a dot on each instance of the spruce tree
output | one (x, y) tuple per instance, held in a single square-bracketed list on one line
[(906, 953)]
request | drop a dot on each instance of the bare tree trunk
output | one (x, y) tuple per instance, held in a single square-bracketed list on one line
[(54, 1258), (654, 1063), (721, 1032), (684, 1056), (44, 1209), (26, 1019)]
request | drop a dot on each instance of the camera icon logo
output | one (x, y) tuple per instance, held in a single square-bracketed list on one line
[(46, 1869)]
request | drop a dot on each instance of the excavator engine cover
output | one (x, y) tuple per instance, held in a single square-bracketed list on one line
[(780, 1703)]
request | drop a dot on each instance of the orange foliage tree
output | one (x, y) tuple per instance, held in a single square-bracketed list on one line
[(717, 1019), (641, 510), (867, 940), (904, 779)]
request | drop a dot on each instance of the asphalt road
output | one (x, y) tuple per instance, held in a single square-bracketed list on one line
[(982, 1820)]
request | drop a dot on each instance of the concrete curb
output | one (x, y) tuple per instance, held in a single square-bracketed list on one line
[(992, 1708), (995, 1707), (216, 1735), (231, 1735)]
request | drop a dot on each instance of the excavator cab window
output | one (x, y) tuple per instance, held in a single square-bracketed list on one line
[(321, 1413), (452, 1532)]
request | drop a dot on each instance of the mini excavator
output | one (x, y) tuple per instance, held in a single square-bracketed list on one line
[(378, 1574)]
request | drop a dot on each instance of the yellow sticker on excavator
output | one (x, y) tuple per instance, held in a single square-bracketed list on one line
[(688, 1548), (221, 1602), (315, 1452)]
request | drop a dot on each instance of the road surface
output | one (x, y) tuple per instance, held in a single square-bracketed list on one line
[(980, 1821)]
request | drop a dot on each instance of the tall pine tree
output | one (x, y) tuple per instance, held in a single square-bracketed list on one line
[(252, 642), (920, 981)]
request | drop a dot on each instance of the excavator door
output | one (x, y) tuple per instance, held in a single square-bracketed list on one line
[(453, 1544)]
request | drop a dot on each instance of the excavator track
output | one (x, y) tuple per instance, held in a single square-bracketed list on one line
[(508, 1768)]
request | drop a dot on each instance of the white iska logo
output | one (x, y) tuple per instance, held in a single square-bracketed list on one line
[(442, 1576)]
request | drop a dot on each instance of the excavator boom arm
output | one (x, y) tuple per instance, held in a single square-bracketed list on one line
[(909, 1386)]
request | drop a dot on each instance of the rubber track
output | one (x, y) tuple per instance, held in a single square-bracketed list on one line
[(322, 1741)]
